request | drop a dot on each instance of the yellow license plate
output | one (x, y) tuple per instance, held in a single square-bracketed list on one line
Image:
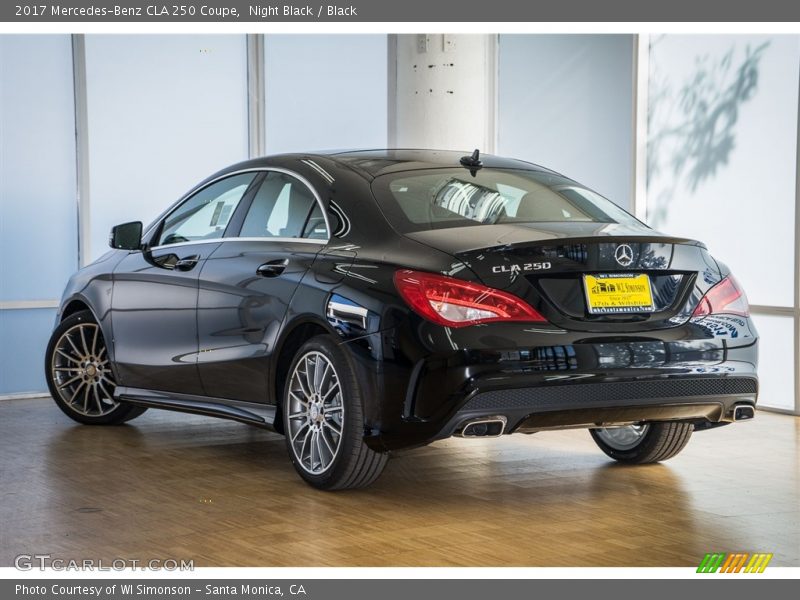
[(614, 293)]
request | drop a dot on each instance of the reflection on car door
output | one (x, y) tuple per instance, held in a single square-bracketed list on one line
[(247, 283), (154, 301)]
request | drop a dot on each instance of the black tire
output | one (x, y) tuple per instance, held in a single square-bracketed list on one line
[(353, 464), (660, 442), (93, 392)]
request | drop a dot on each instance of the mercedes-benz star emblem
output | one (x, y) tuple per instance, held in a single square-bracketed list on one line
[(624, 255)]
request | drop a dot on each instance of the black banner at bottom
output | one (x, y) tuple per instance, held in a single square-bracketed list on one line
[(391, 589)]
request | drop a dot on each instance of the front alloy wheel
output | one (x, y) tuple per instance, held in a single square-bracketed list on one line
[(323, 419), (79, 373)]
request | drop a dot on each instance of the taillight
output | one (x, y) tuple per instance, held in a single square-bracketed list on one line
[(725, 297), (457, 303)]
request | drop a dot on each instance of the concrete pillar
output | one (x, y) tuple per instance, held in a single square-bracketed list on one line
[(444, 94)]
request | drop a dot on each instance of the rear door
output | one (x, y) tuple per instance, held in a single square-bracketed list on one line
[(154, 300), (246, 285)]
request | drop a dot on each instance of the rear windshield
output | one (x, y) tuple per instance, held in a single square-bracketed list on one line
[(441, 198)]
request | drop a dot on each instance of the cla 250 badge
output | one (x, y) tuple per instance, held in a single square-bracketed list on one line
[(518, 268)]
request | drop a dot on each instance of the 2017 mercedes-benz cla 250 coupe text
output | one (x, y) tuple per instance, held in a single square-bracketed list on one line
[(365, 301)]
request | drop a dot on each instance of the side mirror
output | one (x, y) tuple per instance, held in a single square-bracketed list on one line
[(127, 236)]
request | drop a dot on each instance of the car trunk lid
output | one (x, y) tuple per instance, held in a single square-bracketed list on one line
[(554, 265)]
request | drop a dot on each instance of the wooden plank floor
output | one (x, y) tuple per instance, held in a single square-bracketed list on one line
[(178, 486)]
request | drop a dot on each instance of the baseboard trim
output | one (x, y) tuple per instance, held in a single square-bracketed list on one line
[(25, 396), (780, 411)]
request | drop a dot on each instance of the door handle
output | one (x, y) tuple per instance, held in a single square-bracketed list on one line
[(273, 268), (186, 264)]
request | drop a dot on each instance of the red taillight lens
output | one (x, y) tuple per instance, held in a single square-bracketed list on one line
[(457, 303), (725, 297)]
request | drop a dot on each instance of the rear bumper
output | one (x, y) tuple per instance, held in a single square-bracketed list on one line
[(710, 399), (585, 381), (590, 401)]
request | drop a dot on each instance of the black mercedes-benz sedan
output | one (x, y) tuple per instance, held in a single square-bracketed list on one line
[(360, 302)]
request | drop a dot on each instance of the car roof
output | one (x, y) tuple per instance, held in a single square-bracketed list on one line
[(381, 162), (372, 163)]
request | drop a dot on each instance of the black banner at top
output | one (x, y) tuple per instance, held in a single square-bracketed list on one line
[(443, 11)]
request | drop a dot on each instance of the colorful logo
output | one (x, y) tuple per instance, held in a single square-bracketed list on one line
[(736, 562)]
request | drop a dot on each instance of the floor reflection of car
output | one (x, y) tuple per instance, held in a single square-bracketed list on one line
[(362, 302)]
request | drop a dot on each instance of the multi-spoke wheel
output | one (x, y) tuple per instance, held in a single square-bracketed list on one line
[(323, 419), (644, 442), (79, 373), (316, 412), (623, 438)]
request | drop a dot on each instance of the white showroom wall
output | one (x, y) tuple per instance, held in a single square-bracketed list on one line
[(566, 102), (722, 142), (721, 167), (443, 92), (38, 217), (325, 92), (164, 112)]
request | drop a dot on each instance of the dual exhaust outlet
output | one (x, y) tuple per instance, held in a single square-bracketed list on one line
[(496, 426), (483, 427), (743, 412)]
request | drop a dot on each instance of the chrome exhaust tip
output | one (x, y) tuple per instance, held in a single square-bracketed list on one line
[(483, 427), (743, 412)]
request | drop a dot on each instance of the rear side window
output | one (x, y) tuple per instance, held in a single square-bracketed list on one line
[(284, 207), (441, 198)]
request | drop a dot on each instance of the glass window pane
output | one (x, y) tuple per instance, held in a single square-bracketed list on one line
[(207, 213), (281, 208), (439, 198), (316, 229)]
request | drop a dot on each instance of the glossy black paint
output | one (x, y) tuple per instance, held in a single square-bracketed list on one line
[(240, 309), (154, 318), (215, 334)]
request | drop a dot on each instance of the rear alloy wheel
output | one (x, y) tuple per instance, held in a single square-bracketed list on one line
[(643, 443), (323, 420), (79, 374)]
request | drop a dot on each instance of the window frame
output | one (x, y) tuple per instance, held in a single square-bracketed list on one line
[(234, 227)]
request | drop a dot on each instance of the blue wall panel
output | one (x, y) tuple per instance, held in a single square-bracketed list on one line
[(325, 91), (23, 339), (38, 206), (566, 102)]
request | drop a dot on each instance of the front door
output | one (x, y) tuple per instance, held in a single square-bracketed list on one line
[(154, 301)]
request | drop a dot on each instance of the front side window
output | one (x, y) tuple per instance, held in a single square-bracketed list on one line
[(206, 214), (284, 207), (441, 198)]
